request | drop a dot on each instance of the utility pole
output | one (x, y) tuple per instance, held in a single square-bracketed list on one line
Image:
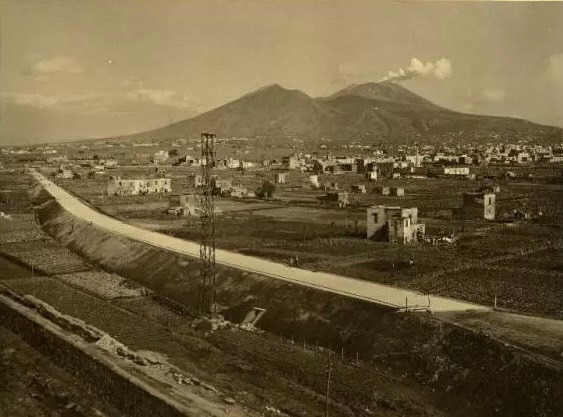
[(207, 226), (328, 383)]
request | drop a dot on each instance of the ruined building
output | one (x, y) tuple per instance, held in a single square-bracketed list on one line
[(314, 181), (120, 186), (359, 188), (394, 224), (290, 162), (397, 191), (280, 178), (195, 180), (222, 186), (339, 198), (371, 175), (183, 205), (479, 205)]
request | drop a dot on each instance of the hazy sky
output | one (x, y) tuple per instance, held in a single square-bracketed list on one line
[(72, 69)]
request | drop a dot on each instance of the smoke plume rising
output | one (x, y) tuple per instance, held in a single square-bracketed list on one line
[(440, 69)]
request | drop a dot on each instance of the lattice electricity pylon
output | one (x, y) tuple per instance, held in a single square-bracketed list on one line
[(207, 224)]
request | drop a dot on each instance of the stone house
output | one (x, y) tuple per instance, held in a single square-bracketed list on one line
[(394, 224)]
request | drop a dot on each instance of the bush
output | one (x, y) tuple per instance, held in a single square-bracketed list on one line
[(266, 190)]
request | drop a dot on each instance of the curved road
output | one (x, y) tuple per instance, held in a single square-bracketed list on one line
[(364, 290)]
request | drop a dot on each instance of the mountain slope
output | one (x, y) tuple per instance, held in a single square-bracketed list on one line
[(379, 111), (269, 111), (386, 91)]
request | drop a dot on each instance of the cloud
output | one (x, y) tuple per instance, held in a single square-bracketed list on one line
[(440, 69), (103, 103), (493, 94), (30, 99), (60, 64), (161, 97)]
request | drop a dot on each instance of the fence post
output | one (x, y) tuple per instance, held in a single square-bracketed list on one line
[(328, 383)]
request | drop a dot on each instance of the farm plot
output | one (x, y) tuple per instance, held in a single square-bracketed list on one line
[(102, 284), (19, 228), (46, 256), (549, 260), (525, 292)]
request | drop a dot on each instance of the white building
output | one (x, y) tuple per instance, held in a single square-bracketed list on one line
[(160, 157), (314, 181), (456, 170), (119, 186), (232, 163), (523, 157), (280, 178)]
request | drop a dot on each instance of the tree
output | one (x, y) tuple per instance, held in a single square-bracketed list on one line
[(173, 152), (266, 190)]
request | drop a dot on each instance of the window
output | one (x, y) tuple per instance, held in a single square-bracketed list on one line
[(375, 217)]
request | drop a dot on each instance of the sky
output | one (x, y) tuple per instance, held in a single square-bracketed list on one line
[(79, 69)]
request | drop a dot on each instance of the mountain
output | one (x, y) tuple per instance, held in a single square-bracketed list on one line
[(379, 111), (386, 91), (268, 111)]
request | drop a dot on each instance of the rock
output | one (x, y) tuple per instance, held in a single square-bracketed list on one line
[(209, 388), (229, 400), (272, 410), (122, 351), (387, 404), (204, 325), (139, 360)]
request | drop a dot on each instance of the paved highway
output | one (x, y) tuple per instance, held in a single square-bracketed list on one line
[(364, 290)]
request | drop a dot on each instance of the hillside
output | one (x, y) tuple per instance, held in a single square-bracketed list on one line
[(378, 111), (386, 91), (269, 111)]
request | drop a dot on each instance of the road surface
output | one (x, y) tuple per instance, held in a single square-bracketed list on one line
[(351, 287)]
